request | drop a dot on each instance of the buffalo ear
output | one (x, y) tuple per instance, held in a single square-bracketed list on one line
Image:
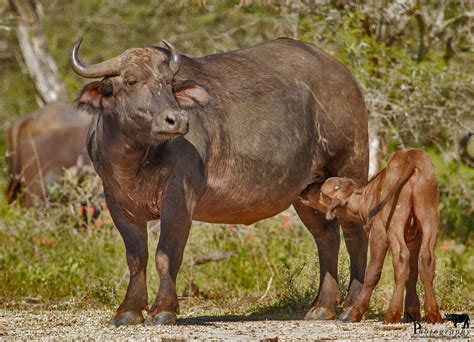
[(189, 95), (95, 95)]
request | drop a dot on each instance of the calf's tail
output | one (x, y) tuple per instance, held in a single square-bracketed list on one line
[(407, 171)]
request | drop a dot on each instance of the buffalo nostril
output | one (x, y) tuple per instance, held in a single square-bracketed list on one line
[(170, 120)]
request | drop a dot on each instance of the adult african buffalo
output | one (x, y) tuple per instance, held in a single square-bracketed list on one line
[(39, 147), (228, 138)]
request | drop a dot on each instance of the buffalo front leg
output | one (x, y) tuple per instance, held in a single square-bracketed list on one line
[(326, 236), (175, 226), (134, 236)]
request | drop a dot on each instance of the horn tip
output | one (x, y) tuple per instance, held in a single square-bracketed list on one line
[(73, 57), (75, 48), (78, 42)]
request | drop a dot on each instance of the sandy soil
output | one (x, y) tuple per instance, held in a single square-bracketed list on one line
[(93, 324)]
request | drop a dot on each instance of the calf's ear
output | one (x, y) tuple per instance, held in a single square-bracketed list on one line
[(94, 96), (190, 94)]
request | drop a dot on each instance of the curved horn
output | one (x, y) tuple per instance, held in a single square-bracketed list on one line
[(175, 58), (107, 68)]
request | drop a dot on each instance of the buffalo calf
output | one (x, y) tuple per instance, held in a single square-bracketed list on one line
[(399, 207)]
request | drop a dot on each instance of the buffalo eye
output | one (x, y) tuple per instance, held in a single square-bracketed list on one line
[(131, 82)]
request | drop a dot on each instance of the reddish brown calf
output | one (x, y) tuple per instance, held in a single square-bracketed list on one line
[(400, 208)]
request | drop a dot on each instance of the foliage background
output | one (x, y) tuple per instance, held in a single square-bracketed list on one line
[(413, 59)]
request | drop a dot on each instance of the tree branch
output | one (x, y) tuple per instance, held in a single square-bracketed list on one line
[(41, 67), (420, 19)]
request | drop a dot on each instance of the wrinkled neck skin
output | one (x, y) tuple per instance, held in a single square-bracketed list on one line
[(355, 207), (362, 200), (119, 159), (128, 153)]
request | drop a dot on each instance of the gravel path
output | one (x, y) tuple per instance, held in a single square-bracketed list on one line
[(92, 325)]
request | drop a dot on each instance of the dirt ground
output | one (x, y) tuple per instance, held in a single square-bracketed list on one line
[(93, 325)]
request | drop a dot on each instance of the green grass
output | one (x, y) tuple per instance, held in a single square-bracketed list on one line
[(49, 255)]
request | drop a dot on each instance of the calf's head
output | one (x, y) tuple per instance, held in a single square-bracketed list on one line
[(138, 93), (336, 192)]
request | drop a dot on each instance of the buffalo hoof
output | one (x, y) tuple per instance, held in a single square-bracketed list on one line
[(344, 316), (410, 315), (163, 318), (127, 318), (319, 314)]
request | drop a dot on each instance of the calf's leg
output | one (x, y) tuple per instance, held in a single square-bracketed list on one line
[(135, 239), (428, 216), (425, 206), (396, 218), (326, 236), (378, 249), (400, 254), (413, 241), (401, 269)]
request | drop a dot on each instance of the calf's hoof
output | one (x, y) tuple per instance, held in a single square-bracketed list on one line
[(127, 318), (319, 314), (162, 318), (433, 317), (393, 318)]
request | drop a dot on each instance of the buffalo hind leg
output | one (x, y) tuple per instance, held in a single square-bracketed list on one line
[(378, 251), (135, 239), (176, 218), (356, 242), (326, 236), (354, 166)]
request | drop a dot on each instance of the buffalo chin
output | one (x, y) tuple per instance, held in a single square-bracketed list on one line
[(161, 137)]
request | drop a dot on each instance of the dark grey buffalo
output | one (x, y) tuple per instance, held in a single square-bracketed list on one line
[(233, 137)]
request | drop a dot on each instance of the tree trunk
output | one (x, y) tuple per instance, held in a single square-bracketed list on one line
[(40, 65), (375, 153)]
